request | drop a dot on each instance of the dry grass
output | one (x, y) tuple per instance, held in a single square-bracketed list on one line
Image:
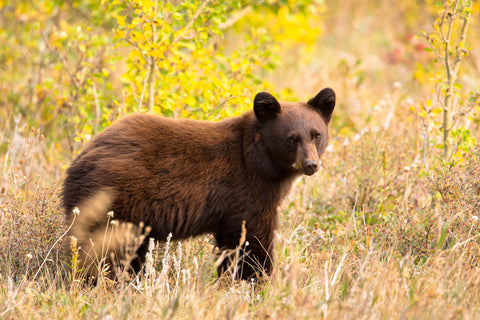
[(367, 238)]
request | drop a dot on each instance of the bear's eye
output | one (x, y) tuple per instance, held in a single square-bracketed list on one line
[(316, 135), (291, 139)]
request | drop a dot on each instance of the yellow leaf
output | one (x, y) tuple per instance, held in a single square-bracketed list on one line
[(119, 34), (121, 21), (136, 21)]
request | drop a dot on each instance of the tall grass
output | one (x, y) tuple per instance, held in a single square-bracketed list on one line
[(377, 240)]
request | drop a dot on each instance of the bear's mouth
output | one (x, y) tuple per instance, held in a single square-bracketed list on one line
[(308, 171)]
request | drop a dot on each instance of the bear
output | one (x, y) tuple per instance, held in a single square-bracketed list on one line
[(159, 176)]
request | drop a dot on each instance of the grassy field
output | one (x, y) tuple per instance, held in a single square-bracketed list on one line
[(388, 229)]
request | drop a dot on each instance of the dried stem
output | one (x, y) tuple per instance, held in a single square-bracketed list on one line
[(452, 67)]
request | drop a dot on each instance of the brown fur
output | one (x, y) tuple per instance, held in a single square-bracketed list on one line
[(189, 177)]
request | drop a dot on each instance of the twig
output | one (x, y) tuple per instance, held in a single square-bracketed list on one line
[(151, 85), (235, 18), (191, 22), (97, 107), (53, 246), (144, 87)]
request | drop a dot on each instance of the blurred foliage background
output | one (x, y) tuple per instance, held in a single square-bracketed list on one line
[(69, 68), (398, 190)]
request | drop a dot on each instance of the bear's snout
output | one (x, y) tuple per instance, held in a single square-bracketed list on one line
[(311, 166)]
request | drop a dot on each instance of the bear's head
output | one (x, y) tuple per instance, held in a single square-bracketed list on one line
[(294, 135)]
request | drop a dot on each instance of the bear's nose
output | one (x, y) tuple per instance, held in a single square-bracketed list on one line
[(311, 166)]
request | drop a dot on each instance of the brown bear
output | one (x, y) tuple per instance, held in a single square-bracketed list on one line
[(188, 178)]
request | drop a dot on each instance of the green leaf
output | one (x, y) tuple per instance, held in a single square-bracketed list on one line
[(443, 236)]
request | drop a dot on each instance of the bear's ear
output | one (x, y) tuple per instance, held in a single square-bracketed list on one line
[(265, 106), (324, 102)]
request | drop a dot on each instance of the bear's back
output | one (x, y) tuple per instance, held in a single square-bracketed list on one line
[(164, 170)]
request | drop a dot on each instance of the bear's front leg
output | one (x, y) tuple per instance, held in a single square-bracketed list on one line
[(256, 258), (252, 258)]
